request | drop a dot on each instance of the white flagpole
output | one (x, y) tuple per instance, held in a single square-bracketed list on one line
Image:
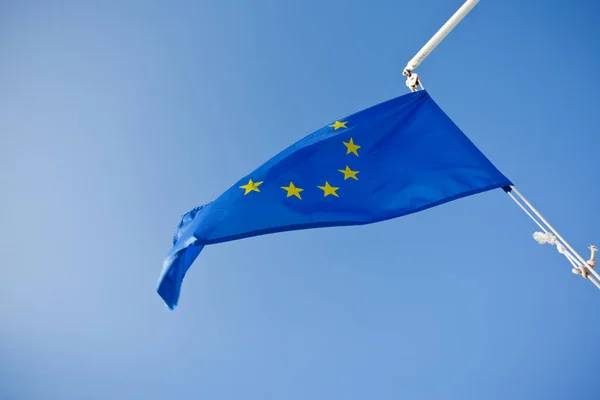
[(550, 235), (412, 80)]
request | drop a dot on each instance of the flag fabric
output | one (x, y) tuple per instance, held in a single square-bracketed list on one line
[(395, 158)]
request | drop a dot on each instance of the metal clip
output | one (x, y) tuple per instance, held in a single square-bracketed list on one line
[(412, 80)]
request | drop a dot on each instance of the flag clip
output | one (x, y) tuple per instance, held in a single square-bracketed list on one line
[(412, 80)]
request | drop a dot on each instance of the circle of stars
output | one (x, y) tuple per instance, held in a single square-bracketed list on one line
[(328, 190)]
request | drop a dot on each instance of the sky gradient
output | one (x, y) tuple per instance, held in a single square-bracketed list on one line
[(117, 118)]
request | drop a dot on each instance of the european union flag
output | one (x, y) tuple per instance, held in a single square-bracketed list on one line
[(396, 158)]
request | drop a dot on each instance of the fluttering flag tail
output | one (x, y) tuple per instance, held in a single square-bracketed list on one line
[(396, 158)]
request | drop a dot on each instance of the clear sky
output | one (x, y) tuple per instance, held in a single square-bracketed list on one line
[(117, 118)]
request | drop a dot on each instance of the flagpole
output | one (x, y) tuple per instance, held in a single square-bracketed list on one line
[(412, 80)]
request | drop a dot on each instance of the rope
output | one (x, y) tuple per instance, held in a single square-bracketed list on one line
[(526, 211), (594, 281), (580, 266), (564, 242), (549, 226)]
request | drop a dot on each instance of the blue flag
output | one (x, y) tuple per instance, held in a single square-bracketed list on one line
[(396, 158)]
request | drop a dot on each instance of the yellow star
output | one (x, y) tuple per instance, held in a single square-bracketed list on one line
[(348, 173), (351, 147), (251, 187), (337, 125), (328, 189), (292, 190)]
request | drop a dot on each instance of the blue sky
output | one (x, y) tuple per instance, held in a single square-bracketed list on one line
[(117, 118)]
